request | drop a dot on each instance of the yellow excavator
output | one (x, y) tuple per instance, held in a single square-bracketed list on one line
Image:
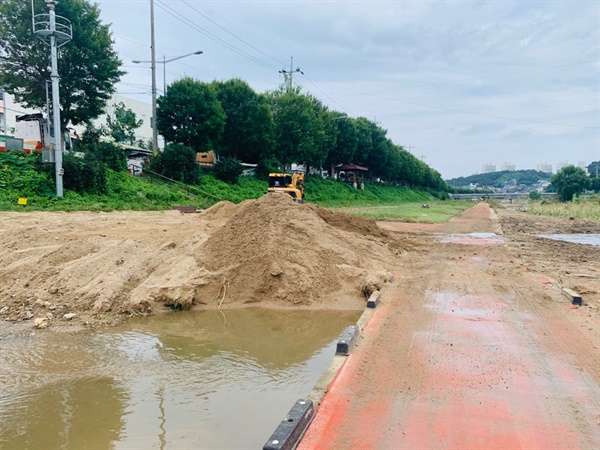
[(290, 184)]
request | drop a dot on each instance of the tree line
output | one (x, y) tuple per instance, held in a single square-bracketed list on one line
[(271, 129), (281, 127)]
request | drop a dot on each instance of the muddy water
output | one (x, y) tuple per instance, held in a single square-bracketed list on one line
[(586, 239), (182, 380)]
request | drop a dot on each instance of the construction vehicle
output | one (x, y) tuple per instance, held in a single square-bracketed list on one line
[(290, 184)]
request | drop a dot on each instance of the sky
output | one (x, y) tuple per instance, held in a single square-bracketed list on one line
[(457, 83)]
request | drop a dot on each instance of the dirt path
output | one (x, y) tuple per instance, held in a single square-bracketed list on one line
[(473, 347)]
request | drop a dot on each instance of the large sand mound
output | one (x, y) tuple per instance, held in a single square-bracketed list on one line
[(275, 250), (271, 251)]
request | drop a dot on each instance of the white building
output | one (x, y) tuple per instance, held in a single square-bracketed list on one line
[(544, 167), (142, 111), (9, 110), (509, 166), (488, 167)]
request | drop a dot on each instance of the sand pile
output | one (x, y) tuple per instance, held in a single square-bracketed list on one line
[(269, 251), (276, 251)]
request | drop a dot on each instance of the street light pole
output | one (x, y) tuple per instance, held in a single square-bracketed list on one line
[(164, 62)]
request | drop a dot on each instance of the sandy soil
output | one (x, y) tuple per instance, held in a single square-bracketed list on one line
[(88, 269), (93, 269)]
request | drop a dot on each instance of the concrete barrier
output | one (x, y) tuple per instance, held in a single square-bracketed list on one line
[(292, 428), (573, 296), (347, 340), (374, 299)]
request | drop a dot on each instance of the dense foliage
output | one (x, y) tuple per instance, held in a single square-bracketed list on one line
[(177, 162), (570, 181), (283, 127), (190, 114), (594, 169), (88, 65), (228, 170), (502, 178), (248, 133), (20, 176)]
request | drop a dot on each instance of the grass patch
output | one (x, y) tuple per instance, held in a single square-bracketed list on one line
[(21, 176), (585, 208), (438, 211), (333, 194)]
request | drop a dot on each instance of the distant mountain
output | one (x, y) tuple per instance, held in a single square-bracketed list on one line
[(501, 179)]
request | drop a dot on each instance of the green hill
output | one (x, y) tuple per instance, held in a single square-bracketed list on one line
[(501, 179)]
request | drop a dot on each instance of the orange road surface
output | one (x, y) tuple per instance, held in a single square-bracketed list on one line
[(466, 351)]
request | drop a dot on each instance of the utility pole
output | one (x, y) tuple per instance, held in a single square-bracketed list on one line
[(164, 63), (57, 34), (290, 74), (153, 62), (410, 147)]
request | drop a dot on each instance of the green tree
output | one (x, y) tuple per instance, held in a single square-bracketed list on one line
[(107, 153), (594, 169), (191, 114), (364, 145), (535, 195), (345, 144), (380, 155), (228, 170), (88, 65), (248, 132), (300, 129), (177, 162), (570, 181), (122, 126)]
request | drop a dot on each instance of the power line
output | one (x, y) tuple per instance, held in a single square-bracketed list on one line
[(231, 34), (211, 36), (328, 96), (441, 108)]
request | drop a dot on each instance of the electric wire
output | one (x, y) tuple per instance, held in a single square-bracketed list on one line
[(441, 108), (210, 35), (233, 35)]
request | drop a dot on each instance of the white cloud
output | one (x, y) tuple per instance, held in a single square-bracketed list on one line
[(416, 67)]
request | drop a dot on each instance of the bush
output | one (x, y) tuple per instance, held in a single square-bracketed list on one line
[(20, 174), (228, 170), (177, 162), (267, 166), (535, 195), (106, 152), (85, 174), (112, 155)]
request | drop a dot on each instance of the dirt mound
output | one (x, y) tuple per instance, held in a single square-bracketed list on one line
[(269, 251), (222, 210), (275, 251), (348, 222)]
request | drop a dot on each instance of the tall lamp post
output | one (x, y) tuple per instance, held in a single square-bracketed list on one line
[(164, 62)]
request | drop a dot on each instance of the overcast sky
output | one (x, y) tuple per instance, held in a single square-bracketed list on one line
[(462, 83)]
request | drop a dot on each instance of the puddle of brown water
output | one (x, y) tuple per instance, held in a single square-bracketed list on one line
[(183, 380)]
